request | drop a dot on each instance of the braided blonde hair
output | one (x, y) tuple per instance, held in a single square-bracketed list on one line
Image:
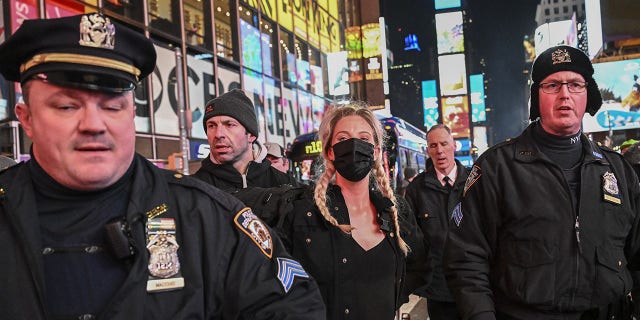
[(378, 174)]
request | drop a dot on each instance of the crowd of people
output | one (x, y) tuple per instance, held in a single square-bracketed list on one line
[(543, 226)]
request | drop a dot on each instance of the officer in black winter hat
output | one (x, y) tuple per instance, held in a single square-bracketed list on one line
[(563, 58), (232, 131), (549, 222), (89, 229)]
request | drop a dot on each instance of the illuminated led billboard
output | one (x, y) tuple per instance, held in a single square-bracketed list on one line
[(303, 74), (446, 4), (318, 106), (555, 33), (450, 32), (251, 54), (291, 67), (594, 26), (338, 73), (370, 40), (455, 115), (480, 141), (430, 103), (317, 83), (463, 152), (353, 45), (371, 51), (476, 87), (411, 42), (453, 75), (619, 84), (353, 42)]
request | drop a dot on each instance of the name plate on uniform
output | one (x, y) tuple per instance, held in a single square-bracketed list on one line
[(165, 284)]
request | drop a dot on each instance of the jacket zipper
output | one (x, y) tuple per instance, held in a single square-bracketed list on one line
[(577, 231)]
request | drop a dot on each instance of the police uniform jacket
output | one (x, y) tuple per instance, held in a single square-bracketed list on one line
[(226, 177), (521, 248), (432, 204), (226, 275), (313, 241)]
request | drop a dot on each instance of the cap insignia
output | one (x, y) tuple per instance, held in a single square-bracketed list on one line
[(560, 56), (97, 31)]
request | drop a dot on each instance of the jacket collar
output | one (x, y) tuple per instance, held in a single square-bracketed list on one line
[(526, 149), (227, 172), (431, 176), (382, 204), (156, 190)]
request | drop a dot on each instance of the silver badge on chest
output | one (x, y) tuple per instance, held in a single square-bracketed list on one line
[(164, 263), (610, 190)]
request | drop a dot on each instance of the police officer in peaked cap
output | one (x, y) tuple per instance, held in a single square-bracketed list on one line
[(91, 229)]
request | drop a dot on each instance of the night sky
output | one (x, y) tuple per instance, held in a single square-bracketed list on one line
[(494, 37)]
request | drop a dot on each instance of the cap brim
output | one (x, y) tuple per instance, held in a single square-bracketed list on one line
[(83, 76)]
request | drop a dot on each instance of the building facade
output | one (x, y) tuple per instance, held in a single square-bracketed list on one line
[(275, 50), (558, 10)]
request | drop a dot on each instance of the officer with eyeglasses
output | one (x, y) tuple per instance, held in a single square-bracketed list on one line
[(547, 227)]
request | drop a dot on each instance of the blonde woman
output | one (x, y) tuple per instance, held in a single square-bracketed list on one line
[(346, 234)]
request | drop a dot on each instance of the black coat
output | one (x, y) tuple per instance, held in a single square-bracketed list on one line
[(313, 241), (521, 248), (226, 275), (432, 204), (227, 178)]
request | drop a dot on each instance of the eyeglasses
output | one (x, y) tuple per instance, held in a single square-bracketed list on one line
[(554, 87)]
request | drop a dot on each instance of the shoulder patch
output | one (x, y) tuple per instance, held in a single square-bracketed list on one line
[(474, 175), (288, 270), (255, 228)]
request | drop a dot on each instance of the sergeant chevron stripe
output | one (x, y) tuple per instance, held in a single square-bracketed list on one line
[(288, 270)]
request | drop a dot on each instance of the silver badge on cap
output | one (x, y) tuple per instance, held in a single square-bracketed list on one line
[(97, 31), (560, 56)]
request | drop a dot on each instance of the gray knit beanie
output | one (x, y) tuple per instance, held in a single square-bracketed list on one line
[(235, 104)]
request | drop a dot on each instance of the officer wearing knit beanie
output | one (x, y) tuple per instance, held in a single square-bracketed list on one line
[(235, 104), (563, 58)]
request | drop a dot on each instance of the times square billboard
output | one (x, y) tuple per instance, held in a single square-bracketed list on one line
[(619, 84)]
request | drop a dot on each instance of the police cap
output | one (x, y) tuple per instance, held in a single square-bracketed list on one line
[(88, 51)]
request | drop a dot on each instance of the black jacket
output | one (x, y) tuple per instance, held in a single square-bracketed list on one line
[(313, 241), (432, 204), (227, 178), (226, 275), (522, 249)]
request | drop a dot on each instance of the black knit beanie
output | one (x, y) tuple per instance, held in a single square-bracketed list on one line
[(235, 104), (563, 58)]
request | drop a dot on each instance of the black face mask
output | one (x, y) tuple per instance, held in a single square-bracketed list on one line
[(354, 158)]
